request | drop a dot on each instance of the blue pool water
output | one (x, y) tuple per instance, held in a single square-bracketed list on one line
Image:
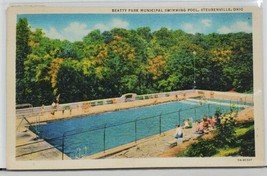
[(87, 135)]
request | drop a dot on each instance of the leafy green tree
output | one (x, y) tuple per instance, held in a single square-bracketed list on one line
[(41, 67), (112, 63), (72, 83), (94, 37), (22, 51)]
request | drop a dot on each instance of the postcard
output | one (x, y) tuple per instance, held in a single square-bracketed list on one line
[(134, 87)]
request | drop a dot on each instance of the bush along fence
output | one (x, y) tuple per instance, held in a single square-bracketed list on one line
[(84, 142)]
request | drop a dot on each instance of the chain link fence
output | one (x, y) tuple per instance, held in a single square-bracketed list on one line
[(84, 142)]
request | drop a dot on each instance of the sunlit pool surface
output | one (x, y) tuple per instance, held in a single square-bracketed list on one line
[(83, 136), (233, 101)]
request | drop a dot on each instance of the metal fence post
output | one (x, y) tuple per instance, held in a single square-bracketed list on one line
[(179, 116), (238, 103), (104, 138), (135, 131), (209, 109), (160, 123), (63, 145), (231, 106), (195, 119)]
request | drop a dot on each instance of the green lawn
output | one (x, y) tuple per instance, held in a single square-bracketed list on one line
[(227, 152), (241, 143)]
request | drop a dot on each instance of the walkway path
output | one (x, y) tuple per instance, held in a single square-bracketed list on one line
[(155, 147)]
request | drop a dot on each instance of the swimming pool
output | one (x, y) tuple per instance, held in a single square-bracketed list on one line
[(88, 135)]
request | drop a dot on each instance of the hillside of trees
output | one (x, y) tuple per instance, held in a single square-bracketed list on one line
[(111, 63)]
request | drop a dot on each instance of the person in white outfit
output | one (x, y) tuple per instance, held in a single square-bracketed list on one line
[(179, 134)]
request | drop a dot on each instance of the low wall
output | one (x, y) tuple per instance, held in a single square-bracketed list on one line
[(108, 105), (120, 103)]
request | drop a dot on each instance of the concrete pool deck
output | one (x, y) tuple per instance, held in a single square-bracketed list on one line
[(153, 146), (28, 147)]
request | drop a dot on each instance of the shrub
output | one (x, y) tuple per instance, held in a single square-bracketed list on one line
[(225, 134), (248, 144), (204, 148), (218, 111), (233, 108)]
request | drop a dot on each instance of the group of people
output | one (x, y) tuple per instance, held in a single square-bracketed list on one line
[(201, 126), (206, 124)]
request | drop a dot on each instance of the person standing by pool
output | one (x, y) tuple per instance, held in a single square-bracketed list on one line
[(179, 134), (57, 101), (53, 108)]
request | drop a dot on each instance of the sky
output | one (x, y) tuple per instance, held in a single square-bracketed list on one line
[(74, 27)]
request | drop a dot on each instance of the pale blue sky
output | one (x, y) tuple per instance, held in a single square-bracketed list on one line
[(74, 27)]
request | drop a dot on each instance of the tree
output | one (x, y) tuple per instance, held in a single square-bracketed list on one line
[(119, 61), (40, 69), (22, 50)]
